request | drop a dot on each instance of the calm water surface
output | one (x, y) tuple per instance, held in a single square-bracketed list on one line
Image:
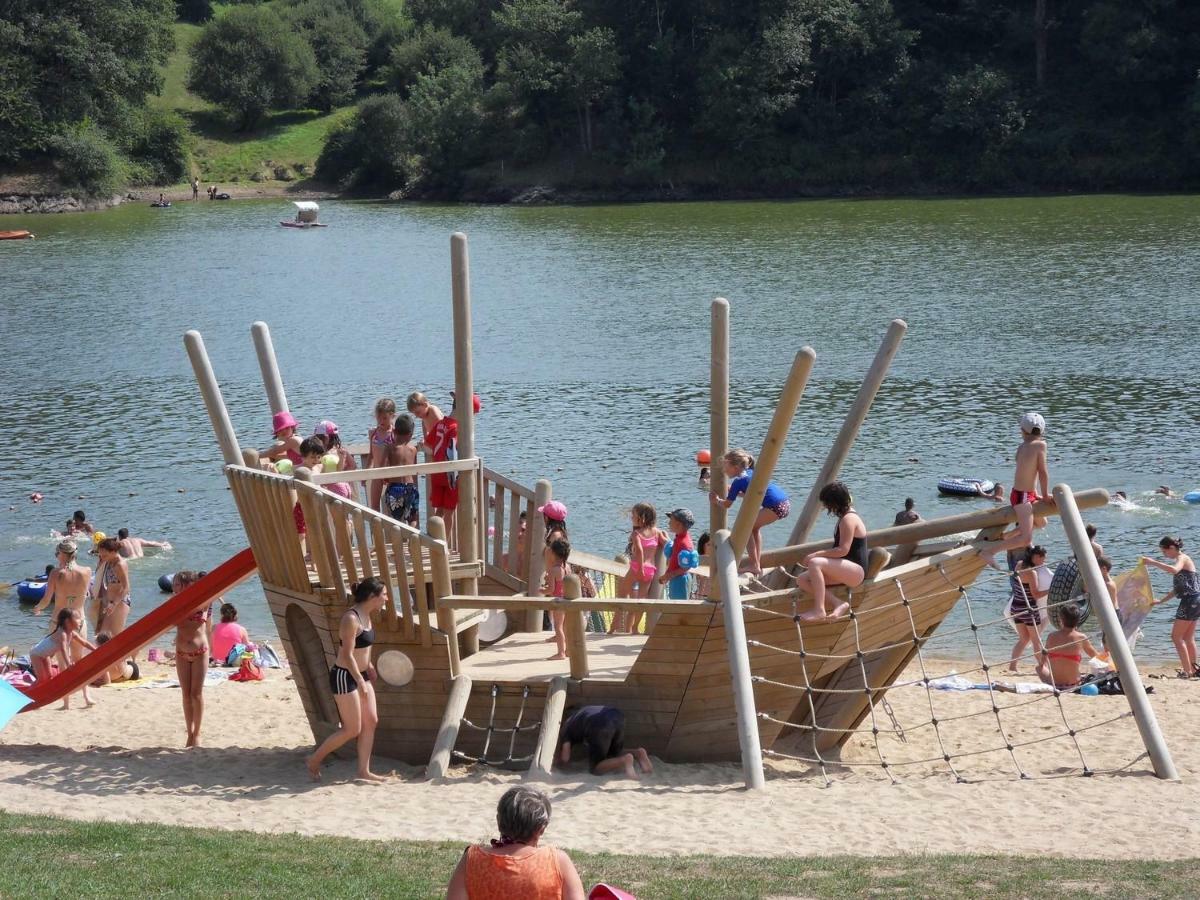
[(591, 343)]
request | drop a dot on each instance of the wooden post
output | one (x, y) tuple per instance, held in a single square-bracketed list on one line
[(250, 458), (447, 736), (845, 439), (468, 518), (1131, 680), (656, 589), (772, 446), (536, 541), (739, 662), (575, 628), (447, 619), (718, 408), (210, 390), (267, 364), (547, 742)]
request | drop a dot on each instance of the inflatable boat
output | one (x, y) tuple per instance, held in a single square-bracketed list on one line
[(164, 205), (15, 235), (1192, 497), (303, 224), (31, 590), (958, 486)]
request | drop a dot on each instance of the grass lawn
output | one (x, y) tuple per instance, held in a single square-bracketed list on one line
[(221, 154), (42, 856)]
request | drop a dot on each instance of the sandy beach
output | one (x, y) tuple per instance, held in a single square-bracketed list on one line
[(123, 761)]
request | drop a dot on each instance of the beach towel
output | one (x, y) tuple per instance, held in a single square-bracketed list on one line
[(1135, 598)]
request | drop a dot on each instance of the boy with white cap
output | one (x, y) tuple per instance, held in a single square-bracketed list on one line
[(1031, 474)]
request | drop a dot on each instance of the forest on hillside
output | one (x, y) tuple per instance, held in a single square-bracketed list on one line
[(761, 97)]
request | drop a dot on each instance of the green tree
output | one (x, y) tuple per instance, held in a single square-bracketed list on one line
[(445, 115), (372, 150), (427, 51), (67, 62), (248, 61), (339, 45)]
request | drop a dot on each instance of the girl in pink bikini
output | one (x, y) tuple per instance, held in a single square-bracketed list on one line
[(287, 442), (644, 541), (382, 440)]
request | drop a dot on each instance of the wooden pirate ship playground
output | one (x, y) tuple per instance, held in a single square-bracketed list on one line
[(708, 681)]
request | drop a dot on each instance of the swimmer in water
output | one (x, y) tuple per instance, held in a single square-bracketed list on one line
[(1165, 491), (135, 547)]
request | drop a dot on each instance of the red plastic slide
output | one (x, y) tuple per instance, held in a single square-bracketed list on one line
[(165, 617)]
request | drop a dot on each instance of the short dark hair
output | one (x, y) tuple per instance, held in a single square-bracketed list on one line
[(404, 425), (122, 533), (1070, 615), (79, 515), (1031, 552), (835, 497), (522, 813), (560, 548), (1170, 541), (1104, 562), (311, 445), (909, 502), (1090, 531)]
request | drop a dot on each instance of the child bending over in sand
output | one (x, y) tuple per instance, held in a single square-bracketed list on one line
[(1186, 586), (381, 440), (515, 865), (57, 646), (1059, 663), (556, 572), (844, 563), (602, 730), (403, 497), (739, 469), (1031, 474)]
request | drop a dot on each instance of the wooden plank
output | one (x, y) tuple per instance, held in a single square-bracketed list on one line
[(341, 531), (512, 565), (497, 527), (402, 586), (421, 588), (384, 568), (381, 472), (364, 551), (508, 484)]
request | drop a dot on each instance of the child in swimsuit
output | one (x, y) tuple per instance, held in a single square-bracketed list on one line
[(327, 433), (1026, 615), (287, 442), (644, 540), (1031, 474), (560, 551), (58, 645), (845, 563), (675, 578), (739, 469), (403, 497), (1059, 663), (191, 658), (381, 440)]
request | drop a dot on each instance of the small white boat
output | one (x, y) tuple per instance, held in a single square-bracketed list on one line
[(306, 215)]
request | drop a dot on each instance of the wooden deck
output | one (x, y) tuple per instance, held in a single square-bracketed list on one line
[(522, 657)]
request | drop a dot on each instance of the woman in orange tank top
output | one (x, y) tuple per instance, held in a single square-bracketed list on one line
[(514, 865)]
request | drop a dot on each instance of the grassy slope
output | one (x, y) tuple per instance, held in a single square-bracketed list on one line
[(42, 856), (223, 155)]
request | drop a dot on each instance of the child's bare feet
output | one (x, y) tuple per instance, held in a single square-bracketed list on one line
[(65, 705), (813, 615), (371, 777), (643, 759), (630, 767), (840, 610), (559, 655), (551, 639)]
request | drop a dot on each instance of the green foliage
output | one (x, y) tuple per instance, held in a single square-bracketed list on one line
[(339, 45), (87, 160), (76, 66), (429, 50), (159, 147), (372, 150), (249, 61)]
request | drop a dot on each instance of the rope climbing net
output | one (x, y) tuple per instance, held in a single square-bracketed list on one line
[(951, 723), (490, 730)]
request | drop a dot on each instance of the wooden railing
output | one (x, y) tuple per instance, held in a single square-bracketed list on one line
[(501, 503), (346, 542)]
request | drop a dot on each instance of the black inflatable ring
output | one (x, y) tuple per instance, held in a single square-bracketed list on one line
[(165, 584), (1068, 587)]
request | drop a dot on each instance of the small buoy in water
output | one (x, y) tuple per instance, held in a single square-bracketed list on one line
[(1089, 690), (179, 490), (1192, 497), (703, 458)]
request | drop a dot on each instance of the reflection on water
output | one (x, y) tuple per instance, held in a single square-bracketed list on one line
[(591, 340)]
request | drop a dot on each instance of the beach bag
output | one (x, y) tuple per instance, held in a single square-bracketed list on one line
[(268, 658), (236, 652), (1110, 684), (249, 671)]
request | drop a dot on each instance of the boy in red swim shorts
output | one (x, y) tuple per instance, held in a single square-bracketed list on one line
[(1031, 474), (442, 441)]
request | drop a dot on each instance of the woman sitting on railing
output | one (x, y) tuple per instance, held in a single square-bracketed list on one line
[(350, 679), (845, 563)]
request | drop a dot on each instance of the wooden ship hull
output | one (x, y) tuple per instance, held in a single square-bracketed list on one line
[(683, 686)]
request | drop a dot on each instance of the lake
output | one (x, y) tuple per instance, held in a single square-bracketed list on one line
[(591, 356)]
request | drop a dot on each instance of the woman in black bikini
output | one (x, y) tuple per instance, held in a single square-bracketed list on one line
[(351, 679), (844, 563), (191, 659)]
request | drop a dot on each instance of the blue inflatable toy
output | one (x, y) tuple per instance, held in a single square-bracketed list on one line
[(31, 590), (1192, 496), (689, 559)]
